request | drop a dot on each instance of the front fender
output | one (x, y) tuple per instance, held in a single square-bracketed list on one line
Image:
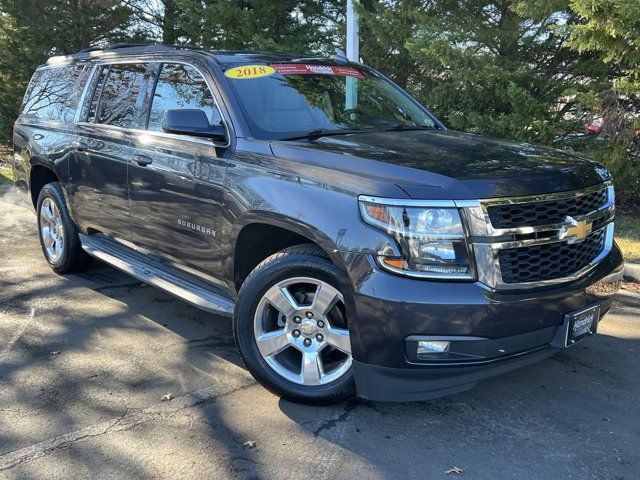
[(316, 203), (296, 226), (328, 217)]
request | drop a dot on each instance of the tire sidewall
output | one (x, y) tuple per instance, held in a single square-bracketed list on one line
[(51, 191), (295, 265)]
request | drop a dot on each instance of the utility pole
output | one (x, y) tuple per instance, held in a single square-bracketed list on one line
[(353, 54), (353, 31)]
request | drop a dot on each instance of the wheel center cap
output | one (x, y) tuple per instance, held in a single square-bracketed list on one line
[(308, 328)]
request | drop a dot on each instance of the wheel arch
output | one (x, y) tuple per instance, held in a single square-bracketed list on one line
[(39, 176), (261, 235)]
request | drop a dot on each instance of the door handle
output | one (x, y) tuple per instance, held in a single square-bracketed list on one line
[(79, 146), (142, 160)]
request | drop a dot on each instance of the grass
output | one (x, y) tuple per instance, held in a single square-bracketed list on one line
[(628, 232), (6, 175)]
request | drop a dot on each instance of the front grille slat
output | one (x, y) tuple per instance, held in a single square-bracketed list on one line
[(549, 261), (547, 212)]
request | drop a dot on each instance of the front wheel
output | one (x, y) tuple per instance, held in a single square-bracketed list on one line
[(291, 328)]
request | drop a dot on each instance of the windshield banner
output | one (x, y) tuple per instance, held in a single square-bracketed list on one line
[(308, 69)]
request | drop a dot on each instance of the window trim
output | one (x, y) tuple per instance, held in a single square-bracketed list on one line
[(99, 104), (152, 94), (78, 120), (83, 106)]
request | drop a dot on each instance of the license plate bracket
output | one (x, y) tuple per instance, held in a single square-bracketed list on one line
[(581, 324)]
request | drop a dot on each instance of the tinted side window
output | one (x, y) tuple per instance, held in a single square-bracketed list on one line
[(181, 86), (117, 105), (49, 94)]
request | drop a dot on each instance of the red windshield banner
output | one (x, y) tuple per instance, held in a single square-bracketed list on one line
[(307, 69)]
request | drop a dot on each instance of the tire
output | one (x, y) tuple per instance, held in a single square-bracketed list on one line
[(301, 271), (58, 234)]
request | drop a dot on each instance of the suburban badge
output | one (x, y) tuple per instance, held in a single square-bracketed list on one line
[(198, 228)]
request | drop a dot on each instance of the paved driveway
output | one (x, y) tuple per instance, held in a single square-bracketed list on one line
[(85, 362)]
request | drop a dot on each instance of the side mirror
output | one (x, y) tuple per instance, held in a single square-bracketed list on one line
[(192, 121)]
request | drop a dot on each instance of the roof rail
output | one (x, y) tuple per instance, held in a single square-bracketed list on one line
[(116, 46), (90, 49)]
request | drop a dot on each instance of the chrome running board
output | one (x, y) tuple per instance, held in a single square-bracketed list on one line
[(155, 272)]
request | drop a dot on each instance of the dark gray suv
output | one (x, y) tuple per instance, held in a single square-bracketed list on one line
[(360, 246)]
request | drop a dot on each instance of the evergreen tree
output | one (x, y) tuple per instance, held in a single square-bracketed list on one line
[(270, 25), (157, 21), (610, 29), (386, 29), (33, 30), (499, 68)]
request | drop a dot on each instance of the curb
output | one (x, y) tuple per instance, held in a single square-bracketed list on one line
[(632, 272), (627, 298)]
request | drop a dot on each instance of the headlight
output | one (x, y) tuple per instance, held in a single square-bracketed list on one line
[(431, 239)]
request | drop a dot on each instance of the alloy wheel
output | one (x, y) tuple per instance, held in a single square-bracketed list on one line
[(51, 230), (301, 331)]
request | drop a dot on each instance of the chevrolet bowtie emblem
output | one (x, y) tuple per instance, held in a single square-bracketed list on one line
[(575, 229)]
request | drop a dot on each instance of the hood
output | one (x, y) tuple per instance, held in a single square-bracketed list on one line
[(434, 164)]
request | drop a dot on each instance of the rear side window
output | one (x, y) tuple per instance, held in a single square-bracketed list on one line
[(180, 87), (50, 94), (121, 86)]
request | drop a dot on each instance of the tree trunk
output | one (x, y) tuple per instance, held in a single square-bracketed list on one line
[(169, 22)]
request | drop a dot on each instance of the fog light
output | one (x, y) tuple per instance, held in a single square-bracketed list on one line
[(432, 346)]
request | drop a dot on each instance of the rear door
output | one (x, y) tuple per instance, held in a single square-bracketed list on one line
[(44, 130), (98, 174), (176, 181)]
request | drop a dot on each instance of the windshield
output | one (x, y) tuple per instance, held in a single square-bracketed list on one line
[(295, 99)]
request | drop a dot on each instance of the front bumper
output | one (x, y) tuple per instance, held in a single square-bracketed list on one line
[(385, 384), (509, 329)]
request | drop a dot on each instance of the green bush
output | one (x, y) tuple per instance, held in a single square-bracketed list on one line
[(625, 169)]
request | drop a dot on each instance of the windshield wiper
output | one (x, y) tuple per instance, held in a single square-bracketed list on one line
[(321, 132)]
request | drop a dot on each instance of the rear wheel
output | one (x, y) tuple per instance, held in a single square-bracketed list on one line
[(291, 328), (58, 234)]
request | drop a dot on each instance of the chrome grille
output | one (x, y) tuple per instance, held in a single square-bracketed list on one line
[(523, 242), (545, 212), (549, 261)]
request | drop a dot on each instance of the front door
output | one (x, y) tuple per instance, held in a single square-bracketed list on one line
[(176, 182)]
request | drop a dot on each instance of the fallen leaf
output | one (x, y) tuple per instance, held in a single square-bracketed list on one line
[(249, 444), (167, 397), (454, 470)]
